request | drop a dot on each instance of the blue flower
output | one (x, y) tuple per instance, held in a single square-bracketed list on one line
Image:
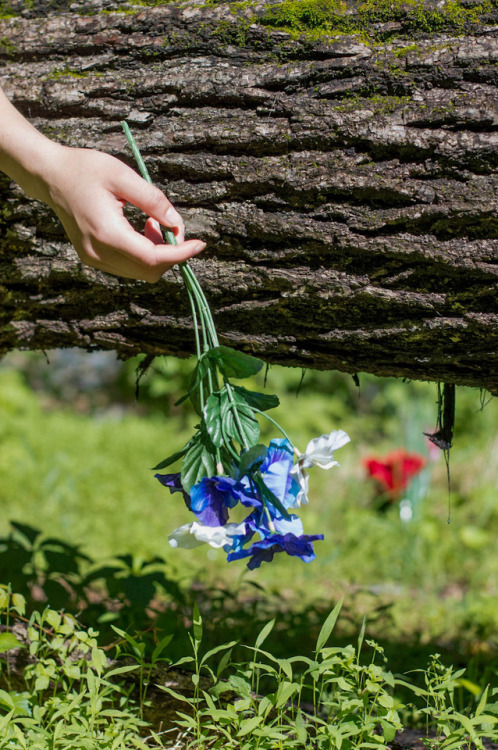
[(275, 472), (266, 549), (259, 522), (211, 498), (174, 483)]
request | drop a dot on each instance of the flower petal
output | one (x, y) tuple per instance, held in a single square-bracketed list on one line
[(320, 450), (182, 537), (217, 536)]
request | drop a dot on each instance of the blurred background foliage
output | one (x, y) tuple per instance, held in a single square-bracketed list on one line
[(76, 450)]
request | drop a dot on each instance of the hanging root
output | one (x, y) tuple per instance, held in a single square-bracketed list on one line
[(443, 437), (142, 368)]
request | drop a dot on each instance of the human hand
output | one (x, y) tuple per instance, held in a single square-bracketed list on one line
[(88, 189)]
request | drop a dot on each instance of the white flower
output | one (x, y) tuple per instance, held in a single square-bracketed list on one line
[(194, 534), (319, 452)]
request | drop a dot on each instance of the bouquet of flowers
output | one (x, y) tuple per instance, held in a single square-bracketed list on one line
[(224, 465)]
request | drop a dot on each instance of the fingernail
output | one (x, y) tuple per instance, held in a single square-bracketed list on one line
[(200, 246), (172, 216)]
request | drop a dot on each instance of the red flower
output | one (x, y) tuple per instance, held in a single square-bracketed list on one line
[(394, 471)]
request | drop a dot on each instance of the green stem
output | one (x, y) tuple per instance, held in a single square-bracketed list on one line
[(202, 302), (233, 407), (270, 419), (188, 275), (196, 295), (196, 324)]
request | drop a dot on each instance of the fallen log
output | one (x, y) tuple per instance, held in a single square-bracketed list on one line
[(339, 159)]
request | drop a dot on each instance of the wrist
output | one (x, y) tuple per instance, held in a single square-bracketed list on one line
[(36, 166), (26, 155)]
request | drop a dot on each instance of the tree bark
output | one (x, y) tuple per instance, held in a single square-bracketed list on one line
[(345, 182)]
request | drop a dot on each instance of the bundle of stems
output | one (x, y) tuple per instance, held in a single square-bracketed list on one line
[(207, 338)]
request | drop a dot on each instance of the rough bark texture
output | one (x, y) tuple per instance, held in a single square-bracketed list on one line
[(345, 183)]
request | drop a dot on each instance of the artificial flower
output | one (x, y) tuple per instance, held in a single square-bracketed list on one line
[(395, 471), (211, 498), (174, 484), (268, 521), (319, 452), (194, 534), (276, 473), (267, 548)]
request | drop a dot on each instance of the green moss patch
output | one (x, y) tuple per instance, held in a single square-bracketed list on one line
[(338, 16)]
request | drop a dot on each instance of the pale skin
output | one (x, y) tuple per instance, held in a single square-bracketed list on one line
[(87, 190)]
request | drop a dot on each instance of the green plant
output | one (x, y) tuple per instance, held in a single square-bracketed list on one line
[(454, 729), (331, 700), (137, 650), (65, 696)]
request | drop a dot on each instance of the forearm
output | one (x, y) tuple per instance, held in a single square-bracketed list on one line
[(25, 154), (88, 190)]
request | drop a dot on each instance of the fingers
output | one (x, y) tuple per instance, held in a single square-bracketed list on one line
[(153, 231), (128, 185), (131, 255)]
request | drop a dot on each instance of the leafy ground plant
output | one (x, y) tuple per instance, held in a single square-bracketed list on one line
[(453, 729), (333, 700), (329, 700), (58, 690), (66, 695)]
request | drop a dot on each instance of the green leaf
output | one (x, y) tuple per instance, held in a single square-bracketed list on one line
[(301, 733), (239, 685), (270, 497), (8, 641), (248, 725), (121, 670), (212, 418), (217, 649), (466, 723), (261, 401), (362, 635), (234, 364), (6, 699), (20, 703), (472, 687), (172, 459), (198, 463), (224, 662), (265, 632), (177, 696), (388, 729), (163, 643), (5, 720), (183, 660), (248, 422), (285, 691), (328, 627), (195, 383), (482, 703), (251, 459)]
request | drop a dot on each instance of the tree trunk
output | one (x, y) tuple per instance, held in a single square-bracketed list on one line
[(339, 160)]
